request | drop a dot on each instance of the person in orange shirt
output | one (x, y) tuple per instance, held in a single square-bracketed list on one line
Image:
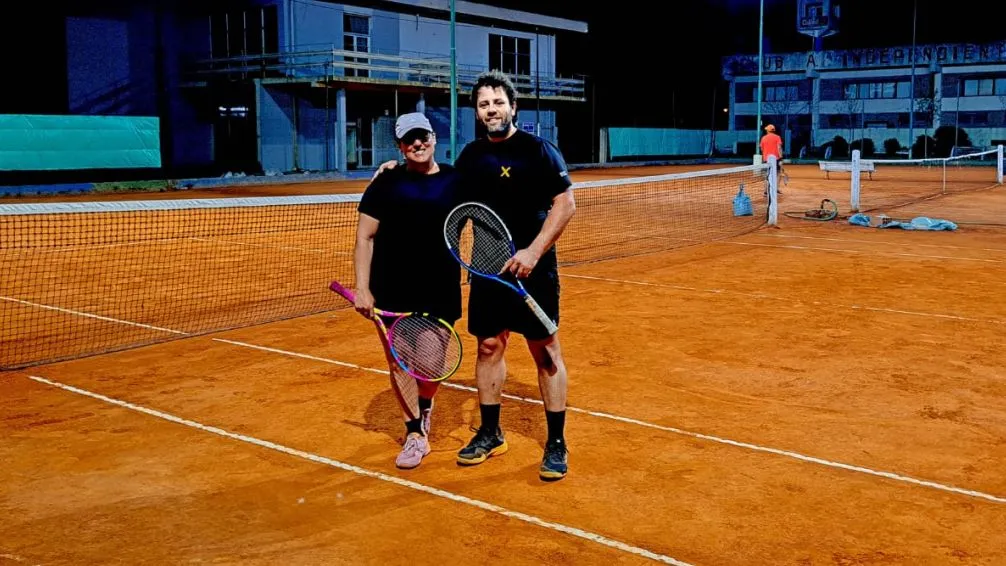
[(771, 144)]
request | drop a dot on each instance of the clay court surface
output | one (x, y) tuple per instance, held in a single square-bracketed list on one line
[(813, 393)]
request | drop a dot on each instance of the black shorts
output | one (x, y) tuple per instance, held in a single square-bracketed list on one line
[(493, 307)]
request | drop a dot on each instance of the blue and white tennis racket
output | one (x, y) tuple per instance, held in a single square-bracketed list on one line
[(491, 247)]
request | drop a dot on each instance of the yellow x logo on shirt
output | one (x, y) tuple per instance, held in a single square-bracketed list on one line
[(506, 171)]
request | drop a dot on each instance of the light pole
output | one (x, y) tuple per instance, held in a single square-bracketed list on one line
[(454, 88), (761, 65), (911, 89)]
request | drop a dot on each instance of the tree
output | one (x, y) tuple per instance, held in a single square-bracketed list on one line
[(786, 108), (946, 137), (853, 107), (927, 106), (922, 147), (865, 146), (891, 147), (839, 147)]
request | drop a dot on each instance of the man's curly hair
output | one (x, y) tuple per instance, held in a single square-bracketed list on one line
[(494, 79)]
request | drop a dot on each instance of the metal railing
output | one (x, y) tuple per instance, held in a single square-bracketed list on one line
[(338, 65)]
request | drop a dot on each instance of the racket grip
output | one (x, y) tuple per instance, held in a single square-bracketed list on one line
[(346, 293), (545, 320)]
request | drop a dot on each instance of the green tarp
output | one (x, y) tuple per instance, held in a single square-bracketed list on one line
[(43, 142)]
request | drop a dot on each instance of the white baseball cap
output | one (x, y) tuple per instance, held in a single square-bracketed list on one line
[(411, 121)]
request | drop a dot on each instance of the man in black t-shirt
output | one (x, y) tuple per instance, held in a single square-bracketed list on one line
[(402, 264), (523, 178)]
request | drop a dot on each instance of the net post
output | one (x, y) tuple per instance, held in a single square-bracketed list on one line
[(773, 191), (945, 163), (999, 172), (854, 186)]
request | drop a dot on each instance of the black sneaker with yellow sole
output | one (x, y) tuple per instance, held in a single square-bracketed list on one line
[(482, 446), (553, 463)]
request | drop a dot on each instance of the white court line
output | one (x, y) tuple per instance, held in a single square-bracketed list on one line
[(811, 459), (90, 247), (873, 252), (558, 527), (95, 316), (304, 356), (271, 246), (697, 435), (796, 302), (884, 242)]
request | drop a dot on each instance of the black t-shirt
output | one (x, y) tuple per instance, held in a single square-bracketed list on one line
[(412, 270), (517, 178)]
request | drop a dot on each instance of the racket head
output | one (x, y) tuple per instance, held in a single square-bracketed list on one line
[(477, 237), (426, 347)]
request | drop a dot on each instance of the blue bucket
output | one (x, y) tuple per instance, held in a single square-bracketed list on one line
[(742, 203)]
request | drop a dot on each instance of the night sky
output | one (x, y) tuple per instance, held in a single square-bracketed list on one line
[(629, 49)]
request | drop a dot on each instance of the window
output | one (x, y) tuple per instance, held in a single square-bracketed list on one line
[(745, 92), (984, 86), (244, 32), (975, 119), (779, 93), (511, 55), (356, 37), (879, 89), (836, 120)]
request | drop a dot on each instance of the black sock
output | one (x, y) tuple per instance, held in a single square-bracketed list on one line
[(556, 421), (414, 425), (490, 417), (425, 404)]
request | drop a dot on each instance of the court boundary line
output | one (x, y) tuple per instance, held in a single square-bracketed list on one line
[(401, 482), (793, 301), (881, 242), (94, 316), (679, 431), (847, 251)]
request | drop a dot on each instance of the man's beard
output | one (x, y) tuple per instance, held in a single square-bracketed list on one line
[(503, 128)]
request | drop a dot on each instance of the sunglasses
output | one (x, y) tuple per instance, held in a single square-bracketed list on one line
[(411, 136)]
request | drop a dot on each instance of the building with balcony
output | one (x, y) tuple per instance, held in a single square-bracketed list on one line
[(289, 85)]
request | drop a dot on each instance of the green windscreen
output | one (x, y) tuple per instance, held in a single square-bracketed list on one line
[(43, 142)]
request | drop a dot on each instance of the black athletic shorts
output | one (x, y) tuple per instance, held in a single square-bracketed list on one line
[(493, 307)]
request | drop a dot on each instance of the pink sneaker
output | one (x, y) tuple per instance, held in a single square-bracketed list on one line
[(416, 447)]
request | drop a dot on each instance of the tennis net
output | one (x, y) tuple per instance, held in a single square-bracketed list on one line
[(86, 278), (906, 185)]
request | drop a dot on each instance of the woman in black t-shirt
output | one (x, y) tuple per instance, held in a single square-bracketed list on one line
[(402, 263)]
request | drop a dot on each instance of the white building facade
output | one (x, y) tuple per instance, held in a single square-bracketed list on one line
[(812, 97)]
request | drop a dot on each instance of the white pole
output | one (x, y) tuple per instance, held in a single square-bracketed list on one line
[(773, 191), (999, 176), (854, 193)]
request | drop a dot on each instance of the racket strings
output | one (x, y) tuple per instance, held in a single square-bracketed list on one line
[(426, 346), (480, 239)]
